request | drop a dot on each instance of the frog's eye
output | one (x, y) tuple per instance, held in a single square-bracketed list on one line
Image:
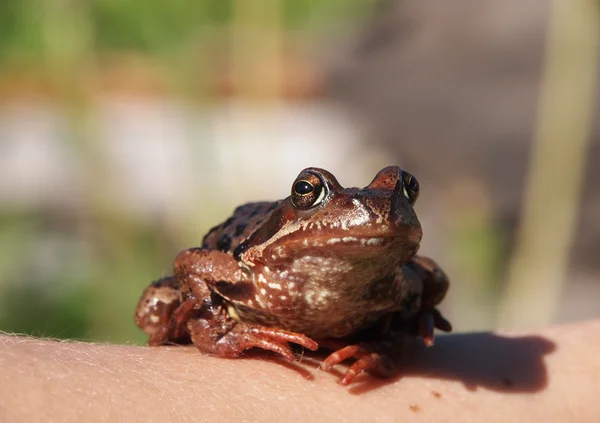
[(303, 188), (410, 187), (307, 192)]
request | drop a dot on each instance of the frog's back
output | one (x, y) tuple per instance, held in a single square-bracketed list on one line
[(244, 221)]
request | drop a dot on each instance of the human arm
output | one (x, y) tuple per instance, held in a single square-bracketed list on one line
[(552, 374)]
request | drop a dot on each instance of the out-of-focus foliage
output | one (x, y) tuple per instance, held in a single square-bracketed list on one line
[(26, 26), (75, 268)]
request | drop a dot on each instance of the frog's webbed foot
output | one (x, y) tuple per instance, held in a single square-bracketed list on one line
[(243, 336), (378, 358)]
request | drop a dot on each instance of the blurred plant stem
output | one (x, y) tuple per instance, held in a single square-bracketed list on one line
[(67, 42), (554, 182), (256, 48), (476, 251)]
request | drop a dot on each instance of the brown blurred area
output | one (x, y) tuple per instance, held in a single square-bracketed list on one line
[(124, 136)]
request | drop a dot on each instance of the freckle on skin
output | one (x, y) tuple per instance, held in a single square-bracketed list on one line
[(436, 394), (414, 408)]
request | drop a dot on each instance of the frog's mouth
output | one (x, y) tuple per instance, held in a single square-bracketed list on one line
[(361, 245), (365, 241), (362, 241)]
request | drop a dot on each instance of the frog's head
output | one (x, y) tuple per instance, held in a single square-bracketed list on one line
[(320, 217)]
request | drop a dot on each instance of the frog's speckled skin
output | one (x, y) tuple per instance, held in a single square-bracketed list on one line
[(327, 263)]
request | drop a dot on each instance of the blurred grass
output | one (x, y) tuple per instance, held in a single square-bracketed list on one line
[(79, 276), (29, 28)]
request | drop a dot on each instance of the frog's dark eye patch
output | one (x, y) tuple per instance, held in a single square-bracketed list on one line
[(308, 191)]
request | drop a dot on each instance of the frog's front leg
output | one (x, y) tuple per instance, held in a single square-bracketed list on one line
[(380, 358), (224, 337), (213, 328)]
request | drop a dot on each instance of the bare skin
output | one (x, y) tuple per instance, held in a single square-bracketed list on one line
[(550, 375)]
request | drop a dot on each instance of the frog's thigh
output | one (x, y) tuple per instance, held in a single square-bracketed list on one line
[(435, 285), (434, 280)]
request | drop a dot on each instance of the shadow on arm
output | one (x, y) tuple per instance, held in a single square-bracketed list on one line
[(487, 360)]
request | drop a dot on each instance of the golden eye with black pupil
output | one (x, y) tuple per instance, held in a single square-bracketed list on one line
[(410, 187), (307, 191)]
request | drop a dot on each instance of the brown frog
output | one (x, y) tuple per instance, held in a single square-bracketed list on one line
[(327, 266)]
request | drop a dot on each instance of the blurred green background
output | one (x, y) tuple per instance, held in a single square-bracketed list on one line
[(129, 128)]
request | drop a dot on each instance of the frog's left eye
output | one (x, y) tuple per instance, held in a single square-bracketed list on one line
[(307, 192), (410, 187)]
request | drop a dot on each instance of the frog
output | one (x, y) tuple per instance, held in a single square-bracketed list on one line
[(327, 267)]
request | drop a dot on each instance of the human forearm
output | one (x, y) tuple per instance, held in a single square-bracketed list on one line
[(553, 374)]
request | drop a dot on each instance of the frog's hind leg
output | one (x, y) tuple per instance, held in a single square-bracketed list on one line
[(435, 285)]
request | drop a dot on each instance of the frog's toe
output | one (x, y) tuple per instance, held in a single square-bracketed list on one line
[(246, 336), (159, 337), (283, 349), (284, 336), (276, 340), (375, 358), (343, 354), (429, 319), (369, 362)]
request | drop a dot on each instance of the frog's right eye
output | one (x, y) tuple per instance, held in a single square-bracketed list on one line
[(410, 187), (307, 191)]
